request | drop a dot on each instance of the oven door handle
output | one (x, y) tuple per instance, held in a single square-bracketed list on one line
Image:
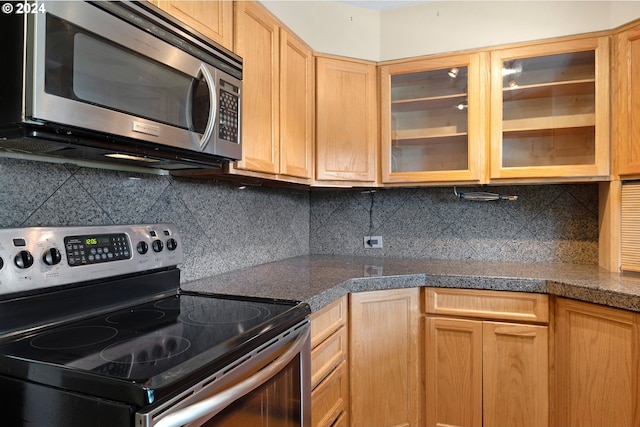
[(217, 403)]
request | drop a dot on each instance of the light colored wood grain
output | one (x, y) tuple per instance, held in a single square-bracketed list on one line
[(453, 357), (428, 112), (626, 102), (630, 227), (257, 41), (569, 111), (384, 358), (515, 375), (296, 106), (330, 399), (596, 354), (500, 305), (327, 320), (327, 355), (346, 120), (213, 18)]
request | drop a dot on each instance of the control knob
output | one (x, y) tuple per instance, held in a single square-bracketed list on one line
[(52, 257), (157, 245), (24, 259), (142, 247), (1, 263), (172, 244)]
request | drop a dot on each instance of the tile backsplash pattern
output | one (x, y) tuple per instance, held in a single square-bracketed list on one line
[(222, 227), (548, 223), (225, 228)]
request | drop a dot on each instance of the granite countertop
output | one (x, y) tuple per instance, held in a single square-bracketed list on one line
[(321, 279)]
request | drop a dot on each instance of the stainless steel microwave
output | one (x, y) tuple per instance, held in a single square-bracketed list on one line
[(119, 82)]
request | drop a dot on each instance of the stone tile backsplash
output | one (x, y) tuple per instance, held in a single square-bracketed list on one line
[(225, 228), (548, 223)]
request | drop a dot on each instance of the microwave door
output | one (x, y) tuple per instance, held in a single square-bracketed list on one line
[(202, 108)]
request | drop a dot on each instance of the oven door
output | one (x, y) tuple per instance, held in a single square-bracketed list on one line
[(95, 71), (268, 387)]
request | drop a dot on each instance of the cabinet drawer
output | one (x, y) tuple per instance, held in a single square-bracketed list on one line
[(328, 320), (327, 355), (500, 305), (329, 399)]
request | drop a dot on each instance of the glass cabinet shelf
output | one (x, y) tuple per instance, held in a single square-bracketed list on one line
[(549, 110), (426, 122)]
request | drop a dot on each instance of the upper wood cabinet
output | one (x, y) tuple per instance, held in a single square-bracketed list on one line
[(597, 365), (277, 110), (433, 114), (212, 18), (550, 110), (346, 123), (257, 40), (626, 102)]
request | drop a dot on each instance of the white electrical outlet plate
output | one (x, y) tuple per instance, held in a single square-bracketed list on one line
[(373, 242)]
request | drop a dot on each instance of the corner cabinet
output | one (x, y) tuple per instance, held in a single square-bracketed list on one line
[(433, 114), (597, 365), (277, 110), (550, 110), (212, 18), (346, 121), (486, 358), (384, 358)]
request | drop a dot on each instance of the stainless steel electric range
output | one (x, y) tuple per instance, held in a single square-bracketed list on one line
[(95, 330)]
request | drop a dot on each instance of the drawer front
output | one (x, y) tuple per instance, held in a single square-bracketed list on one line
[(327, 355), (329, 399), (328, 320), (499, 305)]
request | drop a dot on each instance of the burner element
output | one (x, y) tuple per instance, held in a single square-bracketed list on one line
[(75, 337), (201, 315)]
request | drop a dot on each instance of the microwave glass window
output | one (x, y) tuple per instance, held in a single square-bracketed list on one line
[(201, 103), (83, 67)]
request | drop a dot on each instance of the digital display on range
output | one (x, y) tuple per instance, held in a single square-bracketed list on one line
[(94, 249)]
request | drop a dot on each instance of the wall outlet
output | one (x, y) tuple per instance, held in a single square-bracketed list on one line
[(372, 242)]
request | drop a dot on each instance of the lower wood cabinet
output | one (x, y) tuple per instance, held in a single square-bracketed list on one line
[(597, 365), (384, 345), (329, 366), (483, 372)]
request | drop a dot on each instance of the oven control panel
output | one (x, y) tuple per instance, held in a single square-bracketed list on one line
[(40, 257)]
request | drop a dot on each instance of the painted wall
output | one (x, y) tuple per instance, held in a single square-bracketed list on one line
[(442, 26)]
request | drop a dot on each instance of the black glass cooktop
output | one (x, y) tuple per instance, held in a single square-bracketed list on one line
[(149, 345)]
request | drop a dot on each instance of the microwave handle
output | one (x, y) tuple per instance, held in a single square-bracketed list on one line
[(218, 402), (213, 105)]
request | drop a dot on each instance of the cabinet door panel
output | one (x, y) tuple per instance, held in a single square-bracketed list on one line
[(296, 106), (384, 371), (515, 375), (257, 41), (346, 125), (626, 103), (212, 18), (596, 365), (454, 372)]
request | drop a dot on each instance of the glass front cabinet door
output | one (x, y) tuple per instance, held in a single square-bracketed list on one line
[(550, 110), (433, 119)]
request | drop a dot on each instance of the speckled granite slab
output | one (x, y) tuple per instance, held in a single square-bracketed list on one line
[(321, 279)]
